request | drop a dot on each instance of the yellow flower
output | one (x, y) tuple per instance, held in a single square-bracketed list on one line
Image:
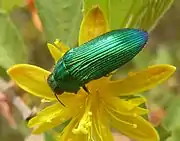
[(93, 115)]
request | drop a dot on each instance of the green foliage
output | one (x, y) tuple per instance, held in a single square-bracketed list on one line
[(9, 4), (3, 73), (12, 48), (62, 126), (49, 136), (131, 13), (163, 132), (175, 135), (60, 19), (172, 119)]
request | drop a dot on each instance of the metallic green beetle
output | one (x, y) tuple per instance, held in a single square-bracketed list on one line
[(95, 59)]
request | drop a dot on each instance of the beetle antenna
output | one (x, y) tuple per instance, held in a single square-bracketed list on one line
[(86, 89), (59, 99)]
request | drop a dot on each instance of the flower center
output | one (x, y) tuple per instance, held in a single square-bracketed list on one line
[(86, 120)]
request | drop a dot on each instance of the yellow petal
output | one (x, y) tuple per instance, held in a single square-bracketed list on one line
[(137, 101), (93, 25), (71, 100), (47, 115), (61, 46), (140, 81), (32, 79), (55, 52), (94, 85), (123, 107), (49, 118), (56, 113), (136, 128), (101, 130)]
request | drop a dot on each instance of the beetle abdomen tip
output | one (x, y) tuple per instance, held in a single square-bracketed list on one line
[(144, 34), (136, 36)]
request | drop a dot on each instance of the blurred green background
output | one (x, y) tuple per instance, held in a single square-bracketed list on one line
[(23, 40)]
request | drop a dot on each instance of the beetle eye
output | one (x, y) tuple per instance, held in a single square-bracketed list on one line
[(50, 81)]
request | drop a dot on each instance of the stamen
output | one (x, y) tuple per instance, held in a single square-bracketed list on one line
[(86, 121), (84, 124)]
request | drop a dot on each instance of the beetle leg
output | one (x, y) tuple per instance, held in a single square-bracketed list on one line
[(59, 99), (86, 89)]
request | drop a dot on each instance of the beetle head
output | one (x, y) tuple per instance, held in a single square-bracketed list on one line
[(53, 84), (61, 85)]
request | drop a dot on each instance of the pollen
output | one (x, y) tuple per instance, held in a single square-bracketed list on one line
[(84, 124), (86, 120)]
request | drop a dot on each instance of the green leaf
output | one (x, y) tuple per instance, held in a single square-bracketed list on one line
[(9, 4), (12, 48), (131, 13), (61, 127), (3, 73), (61, 19), (175, 135), (49, 136), (52, 134), (163, 132), (173, 114)]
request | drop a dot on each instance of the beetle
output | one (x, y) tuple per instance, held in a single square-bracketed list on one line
[(95, 59)]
